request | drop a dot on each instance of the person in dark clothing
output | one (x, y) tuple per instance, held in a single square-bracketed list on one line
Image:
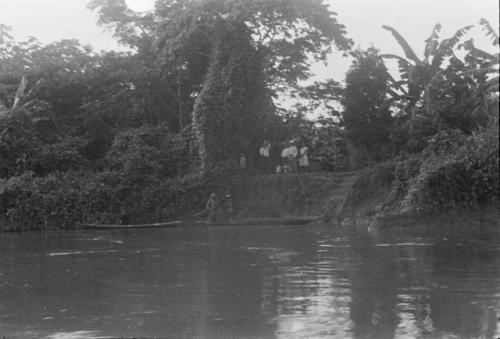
[(212, 207), (243, 162), (226, 208)]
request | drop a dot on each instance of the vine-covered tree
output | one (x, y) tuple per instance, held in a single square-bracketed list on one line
[(367, 120), (240, 50)]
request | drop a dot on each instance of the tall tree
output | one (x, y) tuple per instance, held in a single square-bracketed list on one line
[(242, 50), (367, 121)]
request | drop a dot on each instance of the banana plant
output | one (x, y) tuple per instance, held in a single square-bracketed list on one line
[(484, 67), (490, 32), (419, 76)]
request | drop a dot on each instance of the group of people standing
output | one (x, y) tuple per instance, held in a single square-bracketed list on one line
[(294, 158)]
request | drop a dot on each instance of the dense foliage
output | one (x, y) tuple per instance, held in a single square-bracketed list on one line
[(454, 172), (448, 125), (443, 90), (237, 53), (116, 137), (147, 135), (367, 119)]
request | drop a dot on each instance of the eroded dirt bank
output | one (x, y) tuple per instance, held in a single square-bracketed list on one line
[(292, 195), (366, 197)]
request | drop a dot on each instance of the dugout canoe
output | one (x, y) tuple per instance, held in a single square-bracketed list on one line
[(267, 221), (242, 222), (119, 226)]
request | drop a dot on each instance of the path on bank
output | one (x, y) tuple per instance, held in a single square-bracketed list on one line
[(292, 195)]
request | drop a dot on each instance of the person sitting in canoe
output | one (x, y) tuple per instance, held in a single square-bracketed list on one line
[(212, 207), (227, 208)]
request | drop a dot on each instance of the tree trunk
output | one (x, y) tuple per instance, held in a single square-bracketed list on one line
[(229, 112)]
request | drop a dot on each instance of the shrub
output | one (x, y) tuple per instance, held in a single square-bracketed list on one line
[(61, 156), (62, 200), (147, 151), (412, 135), (17, 144), (59, 200), (455, 172)]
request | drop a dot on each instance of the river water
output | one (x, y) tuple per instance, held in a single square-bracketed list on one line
[(248, 282)]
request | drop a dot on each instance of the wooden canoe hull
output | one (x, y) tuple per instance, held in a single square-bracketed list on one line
[(118, 226), (267, 221), (243, 222)]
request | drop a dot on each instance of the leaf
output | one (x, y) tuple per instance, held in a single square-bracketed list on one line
[(446, 47), (490, 32), (492, 84), (479, 53), (432, 42), (451, 42), (410, 54), (404, 65)]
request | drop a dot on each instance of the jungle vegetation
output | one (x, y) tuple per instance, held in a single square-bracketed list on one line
[(145, 135)]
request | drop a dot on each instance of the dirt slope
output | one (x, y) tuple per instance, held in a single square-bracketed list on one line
[(292, 195)]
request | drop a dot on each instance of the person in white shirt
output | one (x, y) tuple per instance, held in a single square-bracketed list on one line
[(290, 154), (265, 157)]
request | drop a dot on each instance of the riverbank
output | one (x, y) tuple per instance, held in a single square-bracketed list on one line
[(460, 183), (455, 178), (291, 195), (344, 198), (363, 197), (372, 200), (480, 221)]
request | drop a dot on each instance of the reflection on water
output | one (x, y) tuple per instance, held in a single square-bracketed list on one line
[(248, 282)]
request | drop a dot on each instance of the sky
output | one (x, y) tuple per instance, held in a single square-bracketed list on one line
[(52, 20), (414, 19)]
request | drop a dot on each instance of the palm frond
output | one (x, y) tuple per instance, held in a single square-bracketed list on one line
[(492, 84), (479, 53), (410, 54), (490, 32), (394, 94), (403, 65), (455, 39), (446, 47), (397, 85), (387, 103), (394, 56), (481, 71), (432, 43)]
